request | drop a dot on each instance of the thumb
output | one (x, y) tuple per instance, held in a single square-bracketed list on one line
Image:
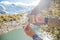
[(26, 27)]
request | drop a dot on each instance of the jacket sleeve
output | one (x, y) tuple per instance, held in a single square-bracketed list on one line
[(36, 37)]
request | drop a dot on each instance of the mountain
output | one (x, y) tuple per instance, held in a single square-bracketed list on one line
[(2, 10), (12, 8), (44, 4)]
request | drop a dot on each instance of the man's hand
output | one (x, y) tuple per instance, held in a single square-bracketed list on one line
[(29, 31), (54, 22), (37, 19)]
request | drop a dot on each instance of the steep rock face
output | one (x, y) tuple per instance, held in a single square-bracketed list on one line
[(41, 6), (50, 8)]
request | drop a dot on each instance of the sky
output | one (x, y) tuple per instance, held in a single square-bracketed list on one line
[(18, 0), (26, 1), (22, 2)]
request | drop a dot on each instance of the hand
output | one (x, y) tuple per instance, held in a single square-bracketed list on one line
[(29, 31), (40, 19), (37, 18)]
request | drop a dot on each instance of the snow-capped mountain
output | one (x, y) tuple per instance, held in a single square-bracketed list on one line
[(12, 8)]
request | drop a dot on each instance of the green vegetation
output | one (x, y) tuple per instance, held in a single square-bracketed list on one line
[(6, 17), (53, 10)]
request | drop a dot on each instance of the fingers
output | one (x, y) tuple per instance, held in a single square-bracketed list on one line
[(38, 19), (28, 30), (25, 26)]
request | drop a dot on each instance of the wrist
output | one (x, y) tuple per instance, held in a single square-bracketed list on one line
[(35, 36), (46, 20), (31, 34)]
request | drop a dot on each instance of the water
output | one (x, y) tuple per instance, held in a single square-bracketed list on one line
[(15, 35)]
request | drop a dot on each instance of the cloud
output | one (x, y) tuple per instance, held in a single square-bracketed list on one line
[(21, 3), (16, 3), (5, 2), (35, 3)]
